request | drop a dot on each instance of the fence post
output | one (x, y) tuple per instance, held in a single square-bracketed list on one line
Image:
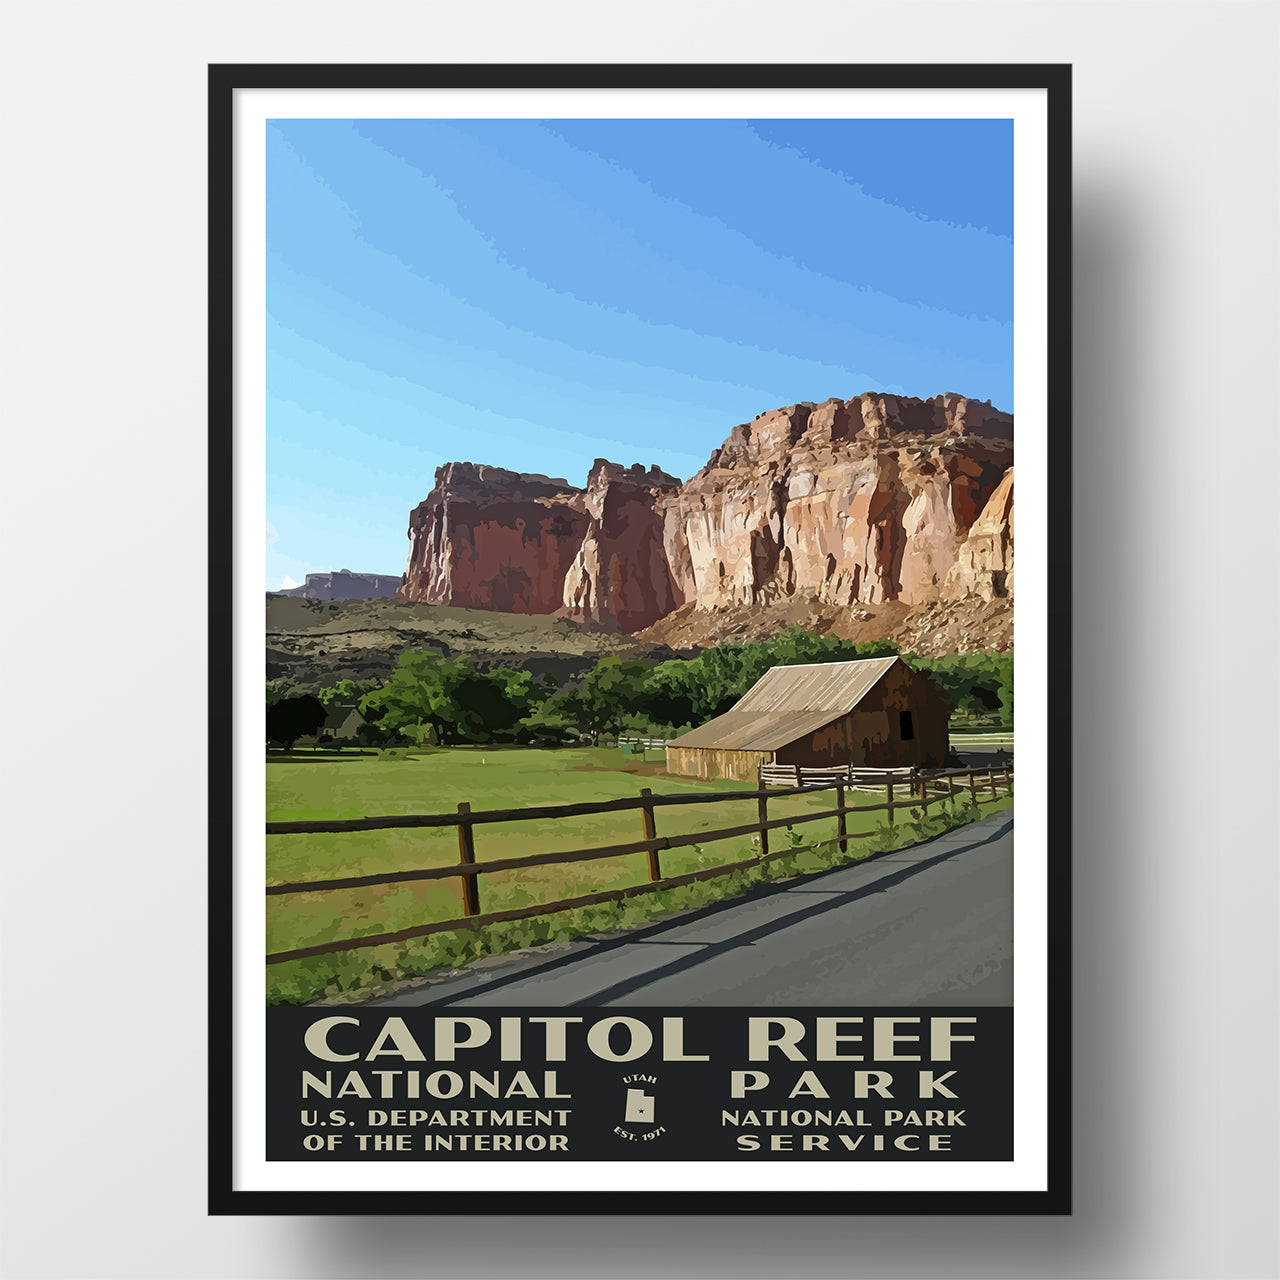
[(888, 786), (973, 789), (762, 808), (466, 854), (1008, 780), (650, 833), (991, 777), (842, 829), (799, 778)]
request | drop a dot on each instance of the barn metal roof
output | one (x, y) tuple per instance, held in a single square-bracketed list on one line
[(787, 703)]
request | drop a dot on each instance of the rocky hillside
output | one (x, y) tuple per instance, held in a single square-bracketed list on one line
[(880, 510), (320, 642), (930, 630)]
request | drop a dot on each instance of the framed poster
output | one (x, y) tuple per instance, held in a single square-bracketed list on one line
[(637, 835)]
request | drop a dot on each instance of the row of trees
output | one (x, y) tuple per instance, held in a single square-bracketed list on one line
[(450, 700), (292, 715), (974, 684), (692, 691)]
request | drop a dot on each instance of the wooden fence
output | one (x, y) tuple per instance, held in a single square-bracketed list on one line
[(796, 775), (931, 790), (980, 741)]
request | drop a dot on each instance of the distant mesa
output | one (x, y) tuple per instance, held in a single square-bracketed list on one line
[(878, 499), (345, 585)]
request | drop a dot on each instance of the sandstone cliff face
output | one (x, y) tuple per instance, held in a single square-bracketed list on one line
[(873, 500), (984, 564), (619, 578), (486, 538), (837, 501)]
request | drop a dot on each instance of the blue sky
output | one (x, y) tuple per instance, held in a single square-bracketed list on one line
[(537, 294)]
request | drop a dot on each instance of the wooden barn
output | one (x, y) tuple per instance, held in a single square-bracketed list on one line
[(875, 712)]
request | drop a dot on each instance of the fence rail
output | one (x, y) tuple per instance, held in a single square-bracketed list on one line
[(922, 792), (795, 775)]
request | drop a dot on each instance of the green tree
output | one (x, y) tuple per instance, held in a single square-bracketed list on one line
[(489, 705), (550, 723), (412, 696), (979, 683), (453, 698), (1004, 686), (670, 695), (347, 691), (291, 718), (610, 692), (277, 689)]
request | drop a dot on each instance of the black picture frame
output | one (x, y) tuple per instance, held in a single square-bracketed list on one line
[(224, 82)]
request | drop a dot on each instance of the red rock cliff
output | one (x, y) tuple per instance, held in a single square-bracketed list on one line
[(874, 499), (620, 577), (486, 538)]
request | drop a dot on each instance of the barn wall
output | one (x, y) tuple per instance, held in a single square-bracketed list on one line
[(832, 745), (706, 762), (870, 735), (876, 732), (933, 720)]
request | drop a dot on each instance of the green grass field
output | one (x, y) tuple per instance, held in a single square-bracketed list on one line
[(317, 786)]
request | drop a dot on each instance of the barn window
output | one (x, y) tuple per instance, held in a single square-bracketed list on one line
[(906, 730)]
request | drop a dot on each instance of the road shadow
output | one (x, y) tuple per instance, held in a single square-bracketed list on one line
[(810, 882)]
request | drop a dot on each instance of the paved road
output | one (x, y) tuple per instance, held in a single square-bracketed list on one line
[(928, 925)]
